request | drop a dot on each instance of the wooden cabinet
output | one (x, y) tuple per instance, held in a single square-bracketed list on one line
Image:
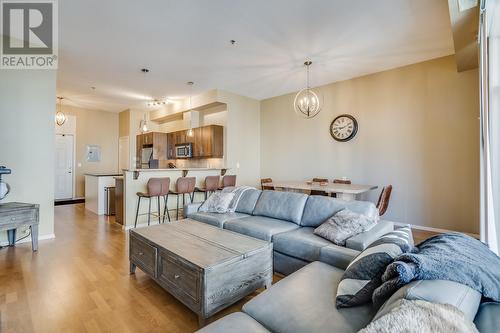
[(208, 141), (157, 141)]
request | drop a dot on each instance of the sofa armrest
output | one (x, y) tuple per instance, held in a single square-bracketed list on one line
[(234, 322), (191, 208), (362, 240)]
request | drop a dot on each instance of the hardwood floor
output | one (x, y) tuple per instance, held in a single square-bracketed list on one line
[(80, 282)]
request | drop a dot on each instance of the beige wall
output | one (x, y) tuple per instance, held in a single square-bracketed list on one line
[(27, 140), (418, 130), (94, 127), (124, 123)]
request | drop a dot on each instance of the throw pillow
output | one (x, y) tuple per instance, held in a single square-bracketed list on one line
[(343, 225), (218, 202), (364, 273)]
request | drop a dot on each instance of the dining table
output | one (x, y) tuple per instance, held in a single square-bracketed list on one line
[(347, 192)]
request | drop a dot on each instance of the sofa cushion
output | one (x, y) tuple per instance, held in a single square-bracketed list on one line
[(304, 302), (259, 226), (436, 291), (364, 273), (234, 322), (337, 256), (216, 219), (286, 264), (300, 243), (286, 206), (361, 241), (488, 318), (247, 201), (320, 208)]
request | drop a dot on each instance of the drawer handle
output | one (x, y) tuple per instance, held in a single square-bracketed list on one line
[(176, 276), (141, 253)]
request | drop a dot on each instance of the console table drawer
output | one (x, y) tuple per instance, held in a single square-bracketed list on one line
[(184, 278), (143, 255), (18, 216)]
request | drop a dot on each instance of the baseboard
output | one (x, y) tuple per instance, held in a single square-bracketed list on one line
[(28, 239), (436, 230), (69, 201)]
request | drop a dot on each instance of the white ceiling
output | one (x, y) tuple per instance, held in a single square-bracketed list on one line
[(105, 43)]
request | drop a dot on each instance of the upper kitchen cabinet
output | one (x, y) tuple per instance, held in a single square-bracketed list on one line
[(155, 140), (208, 141)]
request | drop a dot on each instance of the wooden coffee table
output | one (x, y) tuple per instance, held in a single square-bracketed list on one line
[(204, 267)]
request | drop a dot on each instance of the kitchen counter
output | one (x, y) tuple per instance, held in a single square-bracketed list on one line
[(104, 174), (175, 169)]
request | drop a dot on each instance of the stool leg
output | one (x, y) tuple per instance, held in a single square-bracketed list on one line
[(149, 212), (206, 192), (177, 218), (137, 212), (165, 209), (159, 211)]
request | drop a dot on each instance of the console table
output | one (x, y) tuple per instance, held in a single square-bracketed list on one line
[(14, 215)]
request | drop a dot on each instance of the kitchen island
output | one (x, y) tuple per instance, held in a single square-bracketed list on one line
[(95, 190), (135, 180)]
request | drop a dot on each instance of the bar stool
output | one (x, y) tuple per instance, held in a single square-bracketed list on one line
[(157, 187), (340, 181), (264, 184), (184, 185), (211, 185), (316, 192), (228, 180)]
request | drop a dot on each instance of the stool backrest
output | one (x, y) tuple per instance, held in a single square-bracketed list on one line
[(265, 181), (229, 180), (320, 180), (158, 186), (212, 183), (185, 184)]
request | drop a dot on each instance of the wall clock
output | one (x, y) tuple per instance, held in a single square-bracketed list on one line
[(343, 128)]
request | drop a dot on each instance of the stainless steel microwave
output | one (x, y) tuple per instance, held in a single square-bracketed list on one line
[(184, 150)]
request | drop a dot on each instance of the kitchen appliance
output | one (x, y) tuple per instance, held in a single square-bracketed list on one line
[(110, 201), (146, 157), (184, 150)]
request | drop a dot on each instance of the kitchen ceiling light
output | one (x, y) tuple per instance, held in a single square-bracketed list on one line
[(60, 116), (307, 104), (143, 126)]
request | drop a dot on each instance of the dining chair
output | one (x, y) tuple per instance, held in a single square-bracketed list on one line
[(340, 181), (383, 200), (319, 180), (265, 181)]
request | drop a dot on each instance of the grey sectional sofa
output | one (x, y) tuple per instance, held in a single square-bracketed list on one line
[(305, 302), (288, 220)]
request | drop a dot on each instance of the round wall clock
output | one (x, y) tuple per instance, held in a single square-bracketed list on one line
[(343, 128)]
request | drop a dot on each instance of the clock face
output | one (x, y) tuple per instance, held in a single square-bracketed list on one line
[(344, 128)]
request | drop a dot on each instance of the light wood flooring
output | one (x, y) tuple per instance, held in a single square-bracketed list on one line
[(80, 282)]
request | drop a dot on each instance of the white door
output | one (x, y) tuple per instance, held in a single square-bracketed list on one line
[(64, 166)]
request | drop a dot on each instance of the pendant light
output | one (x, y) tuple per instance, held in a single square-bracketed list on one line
[(307, 103), (60, 116), (190, 131), (143, 126)]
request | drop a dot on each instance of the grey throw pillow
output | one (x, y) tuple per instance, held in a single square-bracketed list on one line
[(364, 273), (218, 202), (343, 225)]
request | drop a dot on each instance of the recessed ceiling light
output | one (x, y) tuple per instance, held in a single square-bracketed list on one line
[(232, 41), (144, 70), (93, 88)]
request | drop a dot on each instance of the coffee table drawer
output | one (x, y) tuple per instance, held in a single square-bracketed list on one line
[(143, 255), (181, 275)]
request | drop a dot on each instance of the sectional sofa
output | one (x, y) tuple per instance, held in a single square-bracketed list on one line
[(288, 220), (304, 301)]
